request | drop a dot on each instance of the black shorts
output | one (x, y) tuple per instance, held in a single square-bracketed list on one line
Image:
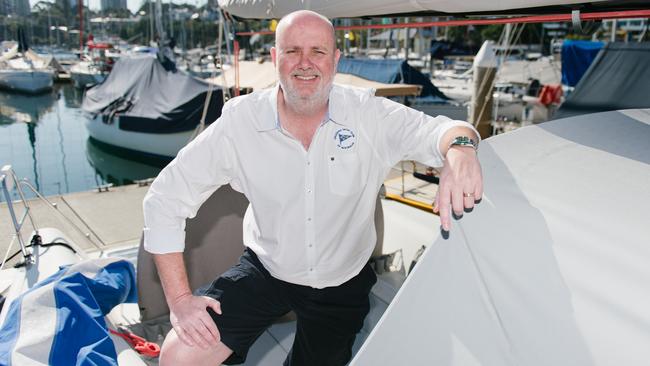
[(327, 319)]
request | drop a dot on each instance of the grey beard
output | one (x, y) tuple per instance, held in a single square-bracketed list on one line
[(305, 105)]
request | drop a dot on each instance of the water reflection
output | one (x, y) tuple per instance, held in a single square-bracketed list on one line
[(113, 167), (45, 139), (25, 108), (72, 97)]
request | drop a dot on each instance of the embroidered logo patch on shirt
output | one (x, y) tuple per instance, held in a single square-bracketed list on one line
[(344, 138)]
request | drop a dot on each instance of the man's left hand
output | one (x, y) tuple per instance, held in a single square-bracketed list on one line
[(461, 184)]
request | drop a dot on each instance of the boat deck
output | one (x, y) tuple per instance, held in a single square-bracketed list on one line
[(103, 220)]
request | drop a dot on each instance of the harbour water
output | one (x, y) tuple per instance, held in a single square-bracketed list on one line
[(45, 139)]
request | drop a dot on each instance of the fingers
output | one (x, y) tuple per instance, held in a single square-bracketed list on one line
[(444, 203), (197, 328), (213, 304), (457, 202), (478, 192), (199, 334)]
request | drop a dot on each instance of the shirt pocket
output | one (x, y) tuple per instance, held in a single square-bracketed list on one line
[(345, 174)]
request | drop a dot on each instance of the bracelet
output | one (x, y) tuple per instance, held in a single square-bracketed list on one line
[(463, 141)]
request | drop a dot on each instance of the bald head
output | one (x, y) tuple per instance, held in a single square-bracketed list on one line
[(305, 18)]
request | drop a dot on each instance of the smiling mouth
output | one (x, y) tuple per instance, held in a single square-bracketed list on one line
[(305, 77)]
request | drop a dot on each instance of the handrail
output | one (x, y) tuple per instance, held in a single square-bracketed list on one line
[(54, 207), (9, 181)]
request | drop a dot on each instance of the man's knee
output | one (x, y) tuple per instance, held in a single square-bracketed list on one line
[(174, 353)]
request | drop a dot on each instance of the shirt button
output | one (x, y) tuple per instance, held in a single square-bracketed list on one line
[(309, 163), (308, 190), (310, 245), (311, 270), (309, 219)]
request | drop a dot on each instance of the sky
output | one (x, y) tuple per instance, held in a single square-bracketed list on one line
[(133, 5)]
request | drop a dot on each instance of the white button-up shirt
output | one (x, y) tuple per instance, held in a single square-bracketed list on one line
[(311, 214)]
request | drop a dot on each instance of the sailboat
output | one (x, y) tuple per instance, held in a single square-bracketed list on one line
[(22, 70)]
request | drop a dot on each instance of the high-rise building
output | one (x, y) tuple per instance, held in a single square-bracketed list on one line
[(113, 4), (14, 7)]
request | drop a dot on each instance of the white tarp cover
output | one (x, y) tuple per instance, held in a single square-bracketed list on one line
[(552, 268), (268, 9)]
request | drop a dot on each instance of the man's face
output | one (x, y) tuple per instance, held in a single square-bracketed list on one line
[(305, 58)]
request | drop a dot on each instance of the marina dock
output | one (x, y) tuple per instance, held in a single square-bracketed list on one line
[(98, 221)]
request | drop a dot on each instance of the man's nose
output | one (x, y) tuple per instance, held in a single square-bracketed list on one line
[(305, 61)]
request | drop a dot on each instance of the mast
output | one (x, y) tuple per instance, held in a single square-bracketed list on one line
[(80, 6)]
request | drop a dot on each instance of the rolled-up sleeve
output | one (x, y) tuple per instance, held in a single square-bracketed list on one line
[(198, 170), (407, 134)]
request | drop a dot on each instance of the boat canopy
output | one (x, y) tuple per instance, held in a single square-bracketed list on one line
[(619, 78), (152, 99), (577, 56), (270, 9), (389, 72)]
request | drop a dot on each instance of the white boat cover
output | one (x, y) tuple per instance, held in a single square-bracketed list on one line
[(269, 9), (550, 269)]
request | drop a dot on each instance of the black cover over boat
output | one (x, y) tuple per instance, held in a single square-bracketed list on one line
[(149, 98), (619, 78)]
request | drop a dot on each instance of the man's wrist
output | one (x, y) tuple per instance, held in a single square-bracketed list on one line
[(463, 141)]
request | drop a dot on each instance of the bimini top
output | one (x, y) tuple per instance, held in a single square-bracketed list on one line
[(618, 78), (150, 98)]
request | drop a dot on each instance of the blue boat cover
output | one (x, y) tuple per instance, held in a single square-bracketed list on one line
[(60, 321), (389, 72), (577, 56)]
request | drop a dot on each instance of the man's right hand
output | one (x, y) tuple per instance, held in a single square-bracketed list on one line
[(192, 322)]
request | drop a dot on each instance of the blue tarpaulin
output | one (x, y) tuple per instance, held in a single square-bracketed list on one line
[(577, 56), (389, 72), (60, 321)]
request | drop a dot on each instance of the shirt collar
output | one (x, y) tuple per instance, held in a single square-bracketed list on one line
[(270, 120)]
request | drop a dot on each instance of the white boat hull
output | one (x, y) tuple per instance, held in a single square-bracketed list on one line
[(27, 81), (158, 145)]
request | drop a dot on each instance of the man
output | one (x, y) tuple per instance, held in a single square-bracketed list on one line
[(310, 157)]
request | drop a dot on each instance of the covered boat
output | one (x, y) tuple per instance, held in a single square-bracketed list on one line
[(146, 108), (550, 269), (618, 78)]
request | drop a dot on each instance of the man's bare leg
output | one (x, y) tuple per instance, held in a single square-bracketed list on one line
[(176, 353)]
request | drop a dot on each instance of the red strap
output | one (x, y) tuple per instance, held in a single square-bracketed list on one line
[(141, 345)]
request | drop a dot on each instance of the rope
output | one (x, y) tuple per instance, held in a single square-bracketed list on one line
[(139, 344)]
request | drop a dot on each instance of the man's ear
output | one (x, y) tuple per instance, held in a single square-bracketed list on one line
[(337, 55), (274, 56)]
